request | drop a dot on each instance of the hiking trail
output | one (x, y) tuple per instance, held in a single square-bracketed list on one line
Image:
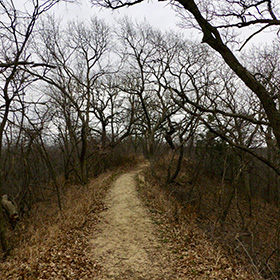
[(125, 243)]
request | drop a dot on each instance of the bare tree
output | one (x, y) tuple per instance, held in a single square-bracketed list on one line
[(17, 26), (218, 23), (79, 53), (147, 54), (113, 110)]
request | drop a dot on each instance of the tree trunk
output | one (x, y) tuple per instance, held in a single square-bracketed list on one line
[(83, 155), (172, 177), (48, 162), (2, 218)]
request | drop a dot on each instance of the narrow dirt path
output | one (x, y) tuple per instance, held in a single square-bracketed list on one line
[(126, 245)]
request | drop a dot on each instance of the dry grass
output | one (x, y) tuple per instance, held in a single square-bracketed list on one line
[(54, 245), (195, 256), (251, 241), (50, 244)]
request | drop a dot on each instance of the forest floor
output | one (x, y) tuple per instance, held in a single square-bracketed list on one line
[(120, 227)]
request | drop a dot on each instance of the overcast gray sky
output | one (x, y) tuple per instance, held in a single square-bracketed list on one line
[(158, 14)]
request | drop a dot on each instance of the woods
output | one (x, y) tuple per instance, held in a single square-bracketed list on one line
[(79, 98)]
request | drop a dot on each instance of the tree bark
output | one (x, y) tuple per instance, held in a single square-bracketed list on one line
[(2, 127)]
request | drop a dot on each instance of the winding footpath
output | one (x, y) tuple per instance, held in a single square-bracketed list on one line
[(125, 244)]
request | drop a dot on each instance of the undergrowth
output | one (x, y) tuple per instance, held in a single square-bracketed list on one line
[(53, 244), (196, 256)]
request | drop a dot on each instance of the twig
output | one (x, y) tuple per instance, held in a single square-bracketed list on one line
[(251, 259)]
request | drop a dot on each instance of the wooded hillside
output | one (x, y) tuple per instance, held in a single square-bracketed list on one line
[(80, 98)]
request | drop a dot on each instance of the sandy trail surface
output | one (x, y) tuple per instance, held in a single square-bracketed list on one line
[(125, 243)]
